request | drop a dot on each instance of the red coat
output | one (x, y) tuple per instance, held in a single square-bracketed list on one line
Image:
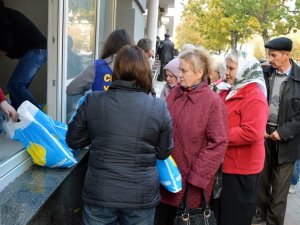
[(200, 140), (2, 97), (247, 113)]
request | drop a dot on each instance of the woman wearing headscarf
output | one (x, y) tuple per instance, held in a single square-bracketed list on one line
[(199, 145), (244, 94), (172, 77)]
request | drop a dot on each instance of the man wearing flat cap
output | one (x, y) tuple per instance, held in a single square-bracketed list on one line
[(166, 54), (282, 137)]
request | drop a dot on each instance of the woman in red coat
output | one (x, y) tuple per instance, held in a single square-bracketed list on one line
[(244, 95), (200, 133)]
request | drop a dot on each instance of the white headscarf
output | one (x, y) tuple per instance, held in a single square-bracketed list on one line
[(248, 71)]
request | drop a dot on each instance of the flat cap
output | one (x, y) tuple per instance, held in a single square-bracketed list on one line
[(281, 44)]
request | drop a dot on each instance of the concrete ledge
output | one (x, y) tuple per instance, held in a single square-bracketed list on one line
[(45, 196)]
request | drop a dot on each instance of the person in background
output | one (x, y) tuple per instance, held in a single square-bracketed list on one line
[(172, 77), (128, 130), (295, 177), (158, 46), (282, 139), (146, 45), (187, 47), (97, 76), (218, 72), (166, 54), (244, 94), (21, 39), (9, 111), (199, 145)]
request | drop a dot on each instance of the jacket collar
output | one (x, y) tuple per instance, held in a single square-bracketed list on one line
[(192, 95), (294, 73), (126, 85), (243, 91)]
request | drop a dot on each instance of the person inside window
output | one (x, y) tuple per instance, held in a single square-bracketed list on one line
[(21, 39)]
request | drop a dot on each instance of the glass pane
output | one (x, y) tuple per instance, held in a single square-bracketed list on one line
[(81, 32)]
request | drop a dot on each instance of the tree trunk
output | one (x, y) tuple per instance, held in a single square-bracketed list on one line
[(265, 38), (234, 39)]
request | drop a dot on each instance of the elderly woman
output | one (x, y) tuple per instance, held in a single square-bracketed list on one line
[(127, 130), (172, 77), (217, 72), (244, 94), (199, 145)]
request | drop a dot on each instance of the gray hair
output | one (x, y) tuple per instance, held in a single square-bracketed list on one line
[(233, 56), (145, 44), (219, 65)]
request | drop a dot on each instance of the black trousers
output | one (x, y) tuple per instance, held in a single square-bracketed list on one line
[(164, 214), (274, 185), (238, 199)]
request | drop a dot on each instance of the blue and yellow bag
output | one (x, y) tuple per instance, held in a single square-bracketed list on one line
[(169, 174), (42, 137)]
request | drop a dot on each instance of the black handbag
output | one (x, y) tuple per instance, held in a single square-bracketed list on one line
[(200, 216)]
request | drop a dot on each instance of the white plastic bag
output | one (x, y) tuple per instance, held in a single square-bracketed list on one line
[(43, 138)]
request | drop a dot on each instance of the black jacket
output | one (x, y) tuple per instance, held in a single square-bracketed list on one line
[(167, 51), (127, 130), (288, 115), (18, 34)]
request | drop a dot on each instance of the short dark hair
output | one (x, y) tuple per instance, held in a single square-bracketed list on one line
[(145, 44), (132, 64), (115, 41)]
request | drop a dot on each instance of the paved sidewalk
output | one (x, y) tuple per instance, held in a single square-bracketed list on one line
[(292, 216)]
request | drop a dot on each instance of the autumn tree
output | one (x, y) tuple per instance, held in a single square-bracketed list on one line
[(267, 17), (227, 22)]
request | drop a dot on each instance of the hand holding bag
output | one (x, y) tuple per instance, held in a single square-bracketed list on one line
[(200, 216)]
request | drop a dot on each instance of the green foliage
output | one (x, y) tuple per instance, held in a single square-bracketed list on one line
[(215, 20)]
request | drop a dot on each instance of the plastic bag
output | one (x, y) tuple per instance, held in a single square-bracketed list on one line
[(43, 138), (169, 175)]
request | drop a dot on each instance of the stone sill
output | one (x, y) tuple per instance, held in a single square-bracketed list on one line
[(22, 199)]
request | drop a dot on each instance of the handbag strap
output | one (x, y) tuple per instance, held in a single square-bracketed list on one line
[(184, 202)]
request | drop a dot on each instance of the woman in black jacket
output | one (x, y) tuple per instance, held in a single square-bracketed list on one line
[(127, 130)]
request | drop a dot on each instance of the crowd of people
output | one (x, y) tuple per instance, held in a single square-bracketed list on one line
[(213, 113), (230, 114)]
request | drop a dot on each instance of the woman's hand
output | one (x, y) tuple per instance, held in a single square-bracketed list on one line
[(9, 111)]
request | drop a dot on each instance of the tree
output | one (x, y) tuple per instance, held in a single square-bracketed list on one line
[(269, 17), (226, 22), (188, 32)]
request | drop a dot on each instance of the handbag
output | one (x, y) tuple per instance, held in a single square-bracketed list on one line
[(199, 216)]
